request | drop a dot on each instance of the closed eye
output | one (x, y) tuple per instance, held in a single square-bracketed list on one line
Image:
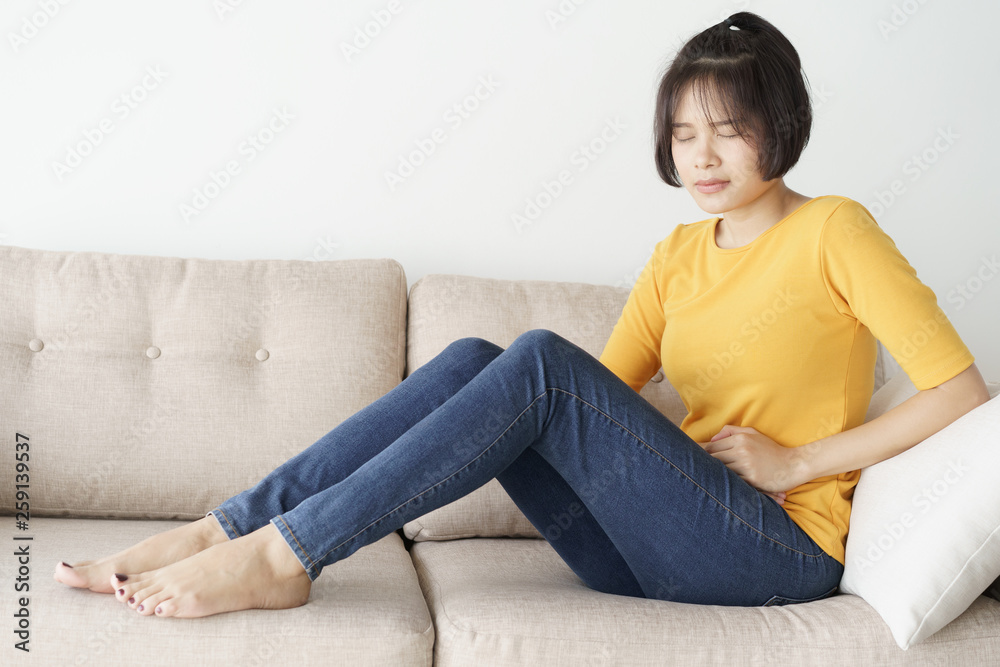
[(724, 136)]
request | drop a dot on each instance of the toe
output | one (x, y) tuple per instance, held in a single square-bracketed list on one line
[(140, 596), (128, 588), (64, 573), (70, 576), (123, 591), (152, 603), (165, 607)]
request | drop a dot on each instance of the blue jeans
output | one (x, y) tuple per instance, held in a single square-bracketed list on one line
[(629, 501)]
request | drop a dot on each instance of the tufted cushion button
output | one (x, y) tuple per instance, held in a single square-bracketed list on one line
[(658, 377), (262, 354), (36, 345), (152, 352)]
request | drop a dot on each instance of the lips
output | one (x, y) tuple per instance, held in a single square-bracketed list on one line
[(710, 185)]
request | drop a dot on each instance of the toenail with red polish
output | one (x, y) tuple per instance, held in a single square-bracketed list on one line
[(140, 608), (131, 600), (121, 591), (121, 577), (158, 610), (66, 564)]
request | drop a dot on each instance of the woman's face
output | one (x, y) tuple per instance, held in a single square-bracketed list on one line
[(716, 165)]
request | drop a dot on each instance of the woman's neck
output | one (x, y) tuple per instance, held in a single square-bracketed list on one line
[(742, 225)]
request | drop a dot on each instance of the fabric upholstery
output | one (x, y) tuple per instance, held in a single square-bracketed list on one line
[(210, 372), (514, 602), (365, 610)]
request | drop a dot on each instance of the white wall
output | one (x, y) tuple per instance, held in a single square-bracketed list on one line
[(889, 79)]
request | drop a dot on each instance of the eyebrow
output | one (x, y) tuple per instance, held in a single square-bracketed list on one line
[(715, 124)]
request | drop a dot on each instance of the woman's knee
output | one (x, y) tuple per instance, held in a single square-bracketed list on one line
[(472, 347), (546, 345), (534, 344), (539, 339)]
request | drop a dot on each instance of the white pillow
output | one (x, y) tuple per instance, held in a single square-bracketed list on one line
[(924, 538)]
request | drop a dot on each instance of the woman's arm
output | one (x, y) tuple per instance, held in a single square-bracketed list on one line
[(633, 350), (895, 431), (768, 466)]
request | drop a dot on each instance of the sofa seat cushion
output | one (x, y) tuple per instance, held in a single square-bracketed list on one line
[(507, 601), (364, 610)]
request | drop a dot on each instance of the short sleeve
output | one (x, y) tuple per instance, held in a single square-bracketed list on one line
[(633, 350), (869, 279)]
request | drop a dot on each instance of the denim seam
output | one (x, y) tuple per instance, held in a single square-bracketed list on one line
[(312, 564), (673, 465), (431, 488), (228, 522)]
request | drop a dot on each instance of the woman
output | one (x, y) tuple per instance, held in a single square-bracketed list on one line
[(764, 318)]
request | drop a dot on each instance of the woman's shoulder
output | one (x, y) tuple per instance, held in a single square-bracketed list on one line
[(689, 230), (838, 206), (686, 237), (843, 217)]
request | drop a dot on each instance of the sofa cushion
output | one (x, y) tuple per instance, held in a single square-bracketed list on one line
[(209, 372), (365, 610), (925, 524), (514, 602), (443, 308)]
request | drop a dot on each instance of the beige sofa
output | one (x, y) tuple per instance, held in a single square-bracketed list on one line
[(151, 388)]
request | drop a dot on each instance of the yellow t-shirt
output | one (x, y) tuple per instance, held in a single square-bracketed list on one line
[(780, 335)]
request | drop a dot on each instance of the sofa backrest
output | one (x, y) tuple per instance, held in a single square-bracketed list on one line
[(443, 308), (156, 387)]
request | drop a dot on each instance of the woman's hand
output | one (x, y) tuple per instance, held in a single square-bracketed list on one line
[(756, 458)]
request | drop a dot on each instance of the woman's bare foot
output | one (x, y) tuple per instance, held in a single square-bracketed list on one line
[(256, 571), (154, 552)]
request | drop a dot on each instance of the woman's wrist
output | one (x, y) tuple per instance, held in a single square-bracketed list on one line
[(799, 468)]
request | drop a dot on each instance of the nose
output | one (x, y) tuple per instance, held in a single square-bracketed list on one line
[(705, 156)]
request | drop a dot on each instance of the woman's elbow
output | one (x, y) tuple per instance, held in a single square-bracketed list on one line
[(967, 390)]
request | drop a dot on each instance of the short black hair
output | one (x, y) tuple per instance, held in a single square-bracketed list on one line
[(753, 72)]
